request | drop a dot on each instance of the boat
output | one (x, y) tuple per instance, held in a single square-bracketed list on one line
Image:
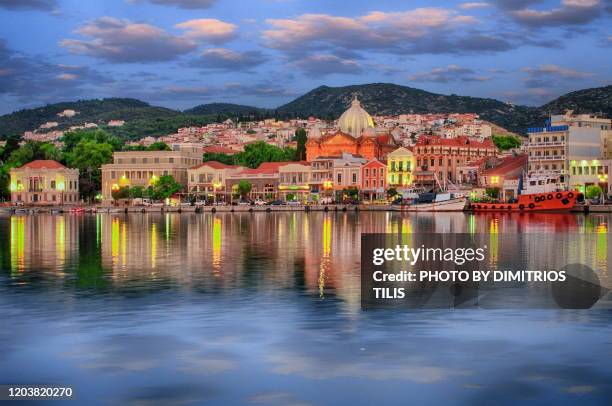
[(77, 210), (539, 192), (438, 204), (559, 201)]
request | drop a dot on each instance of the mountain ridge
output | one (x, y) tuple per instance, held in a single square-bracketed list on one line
[(324, 102)]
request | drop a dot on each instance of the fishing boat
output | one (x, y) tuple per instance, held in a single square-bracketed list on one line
[(441, 202), (541, 193), (552, 201)]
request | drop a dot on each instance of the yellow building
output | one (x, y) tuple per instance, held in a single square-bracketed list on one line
[(143, 168), (44, 182), (208, 179), (400, 167)]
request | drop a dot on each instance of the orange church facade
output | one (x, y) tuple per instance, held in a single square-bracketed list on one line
[(335, 144)]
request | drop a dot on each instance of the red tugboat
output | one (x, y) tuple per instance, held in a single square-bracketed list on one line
[(551, 201)]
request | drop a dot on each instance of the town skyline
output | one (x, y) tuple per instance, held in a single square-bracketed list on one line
[(181, 53)]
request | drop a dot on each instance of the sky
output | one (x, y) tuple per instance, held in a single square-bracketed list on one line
[(181, 53)]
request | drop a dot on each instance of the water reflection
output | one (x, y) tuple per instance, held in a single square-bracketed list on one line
[(153, 308)]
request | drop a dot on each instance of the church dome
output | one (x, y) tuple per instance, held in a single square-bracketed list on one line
[(354, 120)]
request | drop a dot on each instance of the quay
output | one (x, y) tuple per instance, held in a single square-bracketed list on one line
[(243, 209)]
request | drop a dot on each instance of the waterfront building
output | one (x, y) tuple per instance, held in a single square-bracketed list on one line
[(333, 174), (439, 159), (401, 164), (374, 180), (208, 179), (583, 173), (44, 182), (551, 148), (294, 181), (264, 181), (143, 168), (508, 168), (356, 135)]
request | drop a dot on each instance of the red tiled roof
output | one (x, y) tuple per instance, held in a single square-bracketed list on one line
[(507, 164), (44, 164), (216, 165), (217, 149)]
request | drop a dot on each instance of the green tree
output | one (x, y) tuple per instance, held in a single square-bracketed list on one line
[(244, 188), (137, 192), (159, 146), (391, 192), (88, 156), (72, 138), (164, 188), (506, 142), (301, 138), (31, 151), (593, 192), (258, 152), (121, 193), (223, 158), (492, 192)]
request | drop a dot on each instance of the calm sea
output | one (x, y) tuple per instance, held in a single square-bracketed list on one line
[(264, 309)]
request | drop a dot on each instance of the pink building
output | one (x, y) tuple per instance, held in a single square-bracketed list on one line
[(374, 180)]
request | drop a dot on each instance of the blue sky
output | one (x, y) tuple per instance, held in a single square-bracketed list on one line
[(180, 53)]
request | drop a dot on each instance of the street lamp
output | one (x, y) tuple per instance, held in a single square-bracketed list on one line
[(215, 187), (61, 186)]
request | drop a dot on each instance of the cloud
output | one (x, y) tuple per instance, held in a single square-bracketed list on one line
[(571, 12), (32, 79), (44, 5), (221, 59), (265, 88), (451, 73), (322, 65), (418, 31), (515, 4), (473, 5), (209, 30), (544, 76), (122, 41), (188, 4)]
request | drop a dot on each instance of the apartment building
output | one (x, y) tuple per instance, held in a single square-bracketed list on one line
[(208, 180), (401, 165), (143, 168)]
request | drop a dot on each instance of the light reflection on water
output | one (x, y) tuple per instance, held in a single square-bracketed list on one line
[(264, 309)]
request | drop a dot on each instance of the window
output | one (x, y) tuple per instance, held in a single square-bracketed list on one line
[(354, 177), (401, 165), (339, 178), (171, 160), (367, 172), (373, 172), (52, 184), (367, 183), (156, 160), (393, 165)]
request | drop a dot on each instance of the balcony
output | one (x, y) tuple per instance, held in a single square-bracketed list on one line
[(547, 158), (546, 144)]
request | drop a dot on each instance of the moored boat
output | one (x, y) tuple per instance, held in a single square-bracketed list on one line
[(455, 204), (551, 201)]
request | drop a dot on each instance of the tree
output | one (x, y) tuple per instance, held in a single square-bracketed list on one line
[(136, 192), (164, 188), (88, 156), (301, 138), (223, 158), (31, 151), (593, 192), (72, 138), (258, 152), (121, 193), (492, 192), (159, 146), (506, 142), (244, 188), (391, 192)]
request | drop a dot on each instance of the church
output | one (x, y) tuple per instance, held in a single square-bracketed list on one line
[(356, 135)]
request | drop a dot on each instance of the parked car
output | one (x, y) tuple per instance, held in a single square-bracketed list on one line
[(259, 202), (294, 203), (275, 203)]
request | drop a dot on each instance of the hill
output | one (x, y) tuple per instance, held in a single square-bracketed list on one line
[(224, 109), (594, 100), (98, 111), (325, 102), (387, 98)]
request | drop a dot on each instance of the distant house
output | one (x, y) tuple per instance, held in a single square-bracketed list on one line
[(44, 182)]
